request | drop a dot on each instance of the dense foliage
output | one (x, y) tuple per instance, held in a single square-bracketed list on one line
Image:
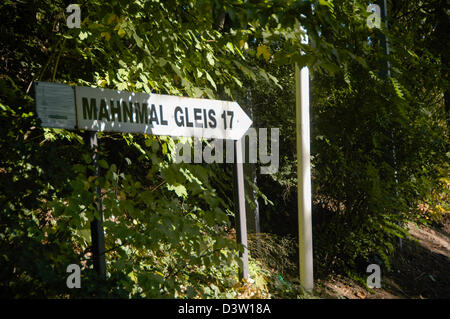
[(379, 145)]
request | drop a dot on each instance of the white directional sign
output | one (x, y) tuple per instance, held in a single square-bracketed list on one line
[(120, 111)]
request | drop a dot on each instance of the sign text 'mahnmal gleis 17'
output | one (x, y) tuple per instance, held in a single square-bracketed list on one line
[(97, 109)]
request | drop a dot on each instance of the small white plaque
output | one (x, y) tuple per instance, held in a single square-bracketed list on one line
[(55, 105)]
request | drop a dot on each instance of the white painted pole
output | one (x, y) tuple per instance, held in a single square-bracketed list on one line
[(304, 178)]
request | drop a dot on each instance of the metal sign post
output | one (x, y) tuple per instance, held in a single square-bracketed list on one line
[(239, 203), (304, 178), (97, 233)]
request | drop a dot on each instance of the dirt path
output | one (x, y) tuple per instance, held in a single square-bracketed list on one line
[(421, 270)]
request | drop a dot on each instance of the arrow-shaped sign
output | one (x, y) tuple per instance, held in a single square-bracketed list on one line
[(120, 111)]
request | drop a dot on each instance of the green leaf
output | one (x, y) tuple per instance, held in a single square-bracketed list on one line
[(121, 32), (264, 51), (179, 189), (210, 79), (138, 40), (210, 58), (83, 35), (397, 88), (103, 164)]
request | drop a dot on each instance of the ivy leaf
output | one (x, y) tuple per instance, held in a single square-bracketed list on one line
[(111, 18), (179, 189), (210, 58), (83, 35), (121, 32), (264, 51), (106, 35), (137, 39), (210, 79)]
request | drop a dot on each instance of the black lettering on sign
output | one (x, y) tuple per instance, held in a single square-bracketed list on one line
[(153, 114), (141, 113), (103, 111), (161, 115), (89, 110), (179, 121), (205, 119), (198, 117), (127, 110), (231, 113), (188, 124), (212, 119), (116, 111), (224, 116)]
